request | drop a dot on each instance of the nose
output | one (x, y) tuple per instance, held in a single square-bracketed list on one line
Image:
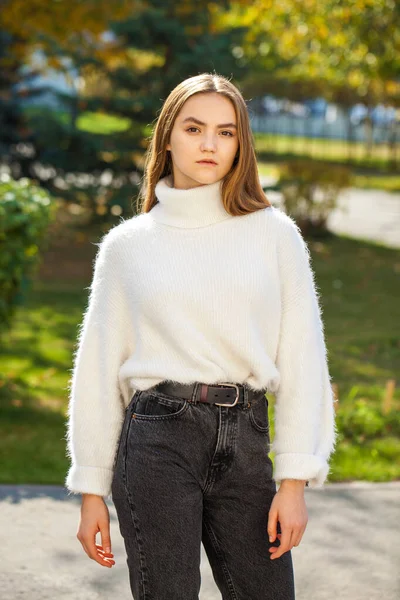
[(209, 143)]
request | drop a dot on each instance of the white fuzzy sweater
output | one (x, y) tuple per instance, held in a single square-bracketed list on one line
[(189, 293)]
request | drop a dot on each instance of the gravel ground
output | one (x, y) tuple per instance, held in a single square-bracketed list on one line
[(349, 551)]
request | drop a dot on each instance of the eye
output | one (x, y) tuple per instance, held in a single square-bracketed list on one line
[(229, 132)]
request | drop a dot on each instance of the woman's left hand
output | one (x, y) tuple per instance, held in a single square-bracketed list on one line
[(289, 508)]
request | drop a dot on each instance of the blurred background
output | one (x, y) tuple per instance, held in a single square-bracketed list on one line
[(81, 84)]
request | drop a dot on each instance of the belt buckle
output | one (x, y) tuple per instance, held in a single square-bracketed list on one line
[(228, 385)]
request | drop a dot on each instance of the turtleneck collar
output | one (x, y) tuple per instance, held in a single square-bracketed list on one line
[(195, 207)]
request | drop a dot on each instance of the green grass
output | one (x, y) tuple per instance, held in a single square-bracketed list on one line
[(387, 182), (277, 147), (102, 123), (35, 359), (359, 286), (390, 183), (376, 460)]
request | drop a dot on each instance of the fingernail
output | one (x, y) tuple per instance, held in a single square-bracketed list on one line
[(108, 549), (270, 538)]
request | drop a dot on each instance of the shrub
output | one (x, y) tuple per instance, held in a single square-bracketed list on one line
[(310, 190), (362, 419), (25, 213)]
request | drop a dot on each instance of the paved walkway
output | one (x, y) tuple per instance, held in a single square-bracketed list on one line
[(350, 549), (369, 214), (364, 214)]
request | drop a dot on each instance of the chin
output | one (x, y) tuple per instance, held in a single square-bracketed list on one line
[(200, 178), (212, 175)]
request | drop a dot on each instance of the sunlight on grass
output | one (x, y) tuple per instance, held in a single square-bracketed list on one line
[(269, 169), (323, 148), (386, 181), (102, 123), (390, 183)]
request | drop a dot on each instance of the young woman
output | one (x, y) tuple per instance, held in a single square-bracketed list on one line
[(198, 306)]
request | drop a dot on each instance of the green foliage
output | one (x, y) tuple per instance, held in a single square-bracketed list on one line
[(346, 51), (363, 420), (310, 190), (374, 460), (369, 438), (100, 131), (25, 212), (368, 442)]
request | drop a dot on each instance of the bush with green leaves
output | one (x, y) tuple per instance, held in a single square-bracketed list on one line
[(25, 213), (363, 420), (310, 190)]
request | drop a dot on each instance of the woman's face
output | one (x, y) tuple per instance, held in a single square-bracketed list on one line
[(203, 129)]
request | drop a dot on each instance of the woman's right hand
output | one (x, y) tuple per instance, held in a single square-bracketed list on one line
[(95, 518)]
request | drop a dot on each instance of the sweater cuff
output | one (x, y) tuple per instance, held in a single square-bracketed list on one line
[(89, 480), (309, 467)]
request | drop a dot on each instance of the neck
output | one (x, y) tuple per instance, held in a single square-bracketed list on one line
[(195, 207)]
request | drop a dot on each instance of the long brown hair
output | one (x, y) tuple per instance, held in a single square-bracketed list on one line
[(241, 189)]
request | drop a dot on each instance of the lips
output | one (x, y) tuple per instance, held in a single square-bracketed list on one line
[(209, 162)]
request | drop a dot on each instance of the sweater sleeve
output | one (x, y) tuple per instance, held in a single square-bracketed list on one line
[(305, 429), (96, 410)]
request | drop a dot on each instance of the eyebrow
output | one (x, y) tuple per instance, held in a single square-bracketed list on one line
[(194, 120)]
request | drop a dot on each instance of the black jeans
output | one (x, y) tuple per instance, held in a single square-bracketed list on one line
[(189, 473)]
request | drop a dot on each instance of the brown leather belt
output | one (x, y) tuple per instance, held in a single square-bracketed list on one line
[(221, 394)]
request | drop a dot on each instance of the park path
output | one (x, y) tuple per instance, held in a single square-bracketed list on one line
[(372, 215), (350, 549)]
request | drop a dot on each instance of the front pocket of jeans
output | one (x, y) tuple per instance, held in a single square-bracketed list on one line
[(154, 407), (258, 413), (124, 427), (119, 465)]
